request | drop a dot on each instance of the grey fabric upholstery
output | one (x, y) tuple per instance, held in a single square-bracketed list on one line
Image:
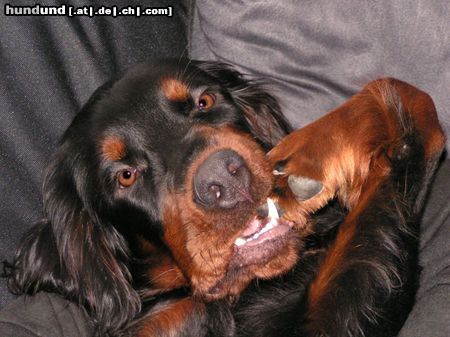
[(317, 54), (44, 315), (431, 314)]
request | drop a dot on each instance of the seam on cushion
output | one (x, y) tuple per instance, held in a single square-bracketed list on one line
[(72, 313), (427, 292), (441, 218), (54, 313), (24, 328), (190, 25), (438, 285)]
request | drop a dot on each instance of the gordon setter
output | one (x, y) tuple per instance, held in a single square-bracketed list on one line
[(165, 216)]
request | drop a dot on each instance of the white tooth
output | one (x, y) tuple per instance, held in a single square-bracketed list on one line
[(273, 212), (239, 242), (274, 222), (267, 227)]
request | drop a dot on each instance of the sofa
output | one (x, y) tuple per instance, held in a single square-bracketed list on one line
[(315, 54)]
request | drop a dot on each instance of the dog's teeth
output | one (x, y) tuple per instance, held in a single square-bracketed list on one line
[(240, 242), (273, 212), (266, 228)]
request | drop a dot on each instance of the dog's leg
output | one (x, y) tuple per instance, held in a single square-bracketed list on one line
[(375, 154), (183, 317)]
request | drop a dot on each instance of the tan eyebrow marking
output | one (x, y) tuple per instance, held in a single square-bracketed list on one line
[(174, 89), (113, 148)]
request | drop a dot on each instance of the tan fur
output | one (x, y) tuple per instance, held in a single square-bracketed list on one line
[(174, 89), (169, 319), (113, 148)]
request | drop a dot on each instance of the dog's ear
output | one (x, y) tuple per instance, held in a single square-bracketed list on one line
[(36, 265), (261, 110), (262, 113), (73, 253)]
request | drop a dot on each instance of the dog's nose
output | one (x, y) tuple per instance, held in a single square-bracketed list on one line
[(222, 180)]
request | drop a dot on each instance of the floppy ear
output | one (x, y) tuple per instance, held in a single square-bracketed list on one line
[(74, 253), (261, 110), (262, 113)]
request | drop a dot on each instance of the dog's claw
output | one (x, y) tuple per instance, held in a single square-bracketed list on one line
[(279, 168), (304, 188)]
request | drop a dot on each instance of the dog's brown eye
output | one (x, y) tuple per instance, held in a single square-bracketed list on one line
[(127, 177), (206, 101)]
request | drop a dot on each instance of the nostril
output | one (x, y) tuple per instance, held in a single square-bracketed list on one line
[(216, 191), (208, 195), (236, 170), (232, 168), (234, 165)]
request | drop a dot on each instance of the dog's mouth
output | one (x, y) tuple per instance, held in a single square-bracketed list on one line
[(261, 239), (265, 247)]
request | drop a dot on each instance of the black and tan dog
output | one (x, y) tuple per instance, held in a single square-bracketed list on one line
[(158, 216)]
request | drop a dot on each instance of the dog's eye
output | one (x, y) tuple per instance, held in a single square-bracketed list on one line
[(206, 101), (127, 177)]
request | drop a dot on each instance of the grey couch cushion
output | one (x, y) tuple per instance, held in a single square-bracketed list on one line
[(317, 54), (44, 315), (431, 314)]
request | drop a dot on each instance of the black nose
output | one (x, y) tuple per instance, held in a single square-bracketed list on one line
[(222, 180)]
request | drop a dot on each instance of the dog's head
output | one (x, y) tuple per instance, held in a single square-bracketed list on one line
[(165, 164)]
